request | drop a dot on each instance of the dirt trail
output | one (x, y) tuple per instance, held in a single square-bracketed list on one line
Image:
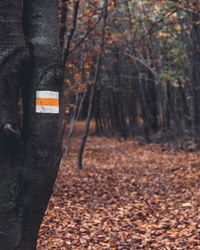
[(127, 196)]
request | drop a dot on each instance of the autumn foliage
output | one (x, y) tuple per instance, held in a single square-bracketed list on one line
[(149, 71)]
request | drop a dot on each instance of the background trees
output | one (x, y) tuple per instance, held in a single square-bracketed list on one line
[(148, 81)]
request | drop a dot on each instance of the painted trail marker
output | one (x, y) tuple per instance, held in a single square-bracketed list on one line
[(47, 102)]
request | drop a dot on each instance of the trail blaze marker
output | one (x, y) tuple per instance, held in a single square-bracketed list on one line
[(47, 102)]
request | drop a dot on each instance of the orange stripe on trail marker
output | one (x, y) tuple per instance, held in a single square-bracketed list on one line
[(47, 102)]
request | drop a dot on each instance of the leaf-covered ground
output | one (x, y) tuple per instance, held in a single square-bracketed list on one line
[(128, 196)]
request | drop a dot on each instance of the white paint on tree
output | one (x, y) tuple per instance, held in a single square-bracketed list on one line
[(47, 102), (47, 109), (47, 94)]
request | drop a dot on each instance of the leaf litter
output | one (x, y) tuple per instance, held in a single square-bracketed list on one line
[(128, 196)]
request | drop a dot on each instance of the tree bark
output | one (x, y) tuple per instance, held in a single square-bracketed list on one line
[(12, 54), (42, 131), (28, 172), (196, 74)]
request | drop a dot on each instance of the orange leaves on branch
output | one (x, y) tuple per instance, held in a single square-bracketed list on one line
[(197, 23), (112, 3)]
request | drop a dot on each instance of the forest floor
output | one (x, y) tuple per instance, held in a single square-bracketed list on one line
[(128, 196)]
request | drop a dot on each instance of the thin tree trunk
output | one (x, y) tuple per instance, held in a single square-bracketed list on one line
[(80, 154), (63, 19), (196, 74), (79, 104), (144, 112), (185, 108), (76, 115)]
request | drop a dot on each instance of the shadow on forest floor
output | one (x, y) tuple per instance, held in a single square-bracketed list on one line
[(128, 196)]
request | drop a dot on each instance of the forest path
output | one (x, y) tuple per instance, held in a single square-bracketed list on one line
[(128, 196)]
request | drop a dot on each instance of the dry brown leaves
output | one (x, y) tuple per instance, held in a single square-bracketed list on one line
[(126, 197)]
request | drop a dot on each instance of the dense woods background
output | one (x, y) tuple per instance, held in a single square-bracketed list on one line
[(137, 63)]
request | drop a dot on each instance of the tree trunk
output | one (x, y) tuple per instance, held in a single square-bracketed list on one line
[(28, 173), (144, 111), (151, 97), (196, 74), (91, 98), (12, 53)]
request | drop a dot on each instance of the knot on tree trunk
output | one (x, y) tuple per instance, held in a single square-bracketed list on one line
[(11, 130), (59, 74), (12, 136)]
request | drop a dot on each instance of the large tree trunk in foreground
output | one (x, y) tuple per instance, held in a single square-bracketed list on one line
[(28, 163), (12, 48)]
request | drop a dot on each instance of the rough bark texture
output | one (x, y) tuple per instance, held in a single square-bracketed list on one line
[(12, 48), (27, 173)]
